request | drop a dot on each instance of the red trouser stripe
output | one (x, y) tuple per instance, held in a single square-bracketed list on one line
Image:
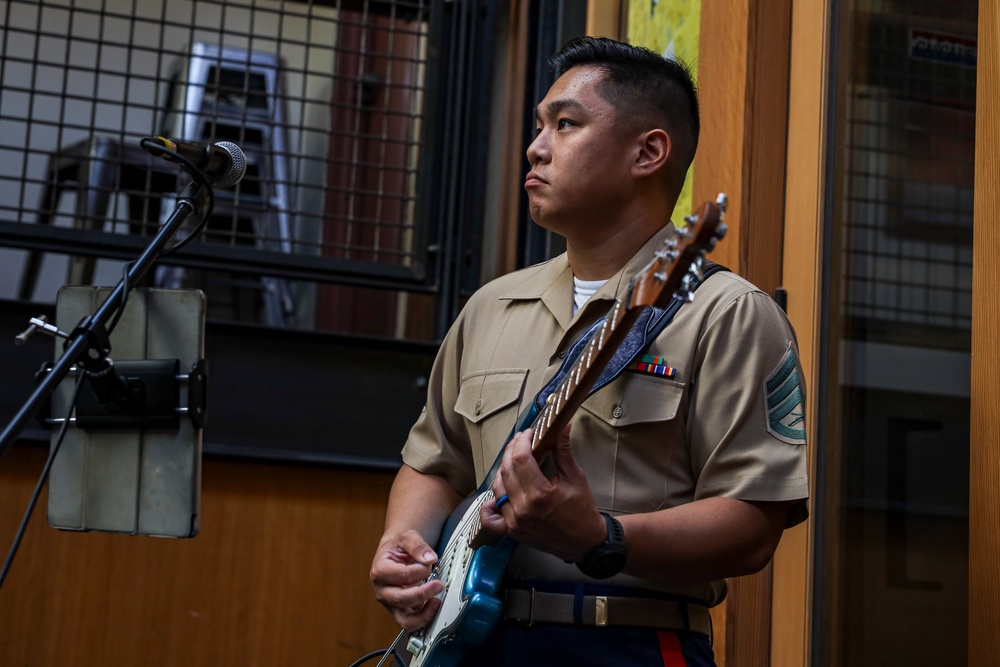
[(670, 648)]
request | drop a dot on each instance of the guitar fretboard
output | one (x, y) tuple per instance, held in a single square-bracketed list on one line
[(567, 397), (573, 390), (667, 276), (472, 577)]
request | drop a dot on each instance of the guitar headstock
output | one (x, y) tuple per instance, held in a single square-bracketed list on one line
[(680, 259)]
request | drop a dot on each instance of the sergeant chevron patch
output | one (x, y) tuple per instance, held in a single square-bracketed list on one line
[(785, 401)]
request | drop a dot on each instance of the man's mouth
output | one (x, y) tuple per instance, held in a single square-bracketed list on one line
[(533, 179)]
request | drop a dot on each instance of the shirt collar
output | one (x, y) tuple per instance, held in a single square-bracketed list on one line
[(552, 283)]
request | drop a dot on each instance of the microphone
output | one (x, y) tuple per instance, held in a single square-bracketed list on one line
[(224, 163)]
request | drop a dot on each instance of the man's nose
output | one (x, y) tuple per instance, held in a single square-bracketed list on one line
[(537, 149)]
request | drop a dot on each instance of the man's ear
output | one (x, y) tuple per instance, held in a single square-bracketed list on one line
[(652, 154)]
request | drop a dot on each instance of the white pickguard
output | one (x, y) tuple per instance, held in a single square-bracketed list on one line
[(451, 569)]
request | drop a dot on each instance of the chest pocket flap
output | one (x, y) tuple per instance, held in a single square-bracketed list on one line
[(636, 399), (487, 392)]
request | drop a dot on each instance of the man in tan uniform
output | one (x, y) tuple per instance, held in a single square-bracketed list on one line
[(667, 482)]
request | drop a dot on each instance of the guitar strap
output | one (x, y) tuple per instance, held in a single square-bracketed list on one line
[(652, 321)]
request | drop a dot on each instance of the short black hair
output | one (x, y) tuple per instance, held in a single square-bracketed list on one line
[(641, 85)]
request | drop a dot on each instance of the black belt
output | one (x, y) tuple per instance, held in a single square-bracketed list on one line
[(528, 605)]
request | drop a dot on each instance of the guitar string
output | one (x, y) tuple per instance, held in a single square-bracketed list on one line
[(471, 524), (564, 390), (544, 420)]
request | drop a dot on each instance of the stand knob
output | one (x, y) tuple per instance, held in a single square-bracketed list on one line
[(37, 323)]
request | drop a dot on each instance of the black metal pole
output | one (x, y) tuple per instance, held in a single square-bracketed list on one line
[(81, 341)]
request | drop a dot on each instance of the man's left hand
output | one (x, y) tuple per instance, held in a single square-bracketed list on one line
[(556, 514)]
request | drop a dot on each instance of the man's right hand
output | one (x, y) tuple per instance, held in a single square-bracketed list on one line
[(418, 506), (399, 569)]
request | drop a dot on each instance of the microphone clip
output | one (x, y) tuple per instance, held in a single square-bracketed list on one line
[(112, 393)]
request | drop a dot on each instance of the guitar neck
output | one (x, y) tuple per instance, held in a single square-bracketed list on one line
[(667, 275), (672, 273), (575, 387)]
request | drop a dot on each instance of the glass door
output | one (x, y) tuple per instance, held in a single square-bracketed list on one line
[(892, 491)]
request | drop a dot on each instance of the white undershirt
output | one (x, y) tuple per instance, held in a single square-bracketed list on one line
[(583, 290)]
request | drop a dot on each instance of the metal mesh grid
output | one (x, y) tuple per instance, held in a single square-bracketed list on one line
[(327, 100), (909, 188)]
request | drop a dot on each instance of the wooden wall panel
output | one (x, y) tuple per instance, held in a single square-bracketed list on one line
[(802, 266), (722, 82), (984, 498), (513, 161), (277, 576), (764, 142), (718, 168), (743, 74)]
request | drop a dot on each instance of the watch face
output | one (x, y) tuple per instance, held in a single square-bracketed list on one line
[(605, 564), (607, 559)]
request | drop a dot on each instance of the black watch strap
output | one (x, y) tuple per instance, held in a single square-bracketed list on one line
[(607, 558)]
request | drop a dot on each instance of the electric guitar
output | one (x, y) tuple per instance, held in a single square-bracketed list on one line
[(469, 564)]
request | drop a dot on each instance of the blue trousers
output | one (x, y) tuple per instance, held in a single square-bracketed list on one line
[(514, 645)]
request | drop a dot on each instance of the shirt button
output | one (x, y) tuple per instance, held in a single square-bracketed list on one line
[(561, 354), (618, 412)]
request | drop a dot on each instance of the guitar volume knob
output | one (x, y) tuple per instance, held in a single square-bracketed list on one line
[(415, 645)]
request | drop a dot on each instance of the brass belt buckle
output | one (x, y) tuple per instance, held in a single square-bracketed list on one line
[(601, 611)]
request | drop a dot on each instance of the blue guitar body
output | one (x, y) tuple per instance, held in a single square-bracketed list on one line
[(469, 612), (480, 611)]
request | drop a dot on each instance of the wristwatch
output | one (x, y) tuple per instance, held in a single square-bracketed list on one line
[(607, 558)]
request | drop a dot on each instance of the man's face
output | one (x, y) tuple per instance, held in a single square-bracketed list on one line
[(580, 162)]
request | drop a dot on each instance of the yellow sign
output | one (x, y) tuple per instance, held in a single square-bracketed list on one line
[(671, 28)]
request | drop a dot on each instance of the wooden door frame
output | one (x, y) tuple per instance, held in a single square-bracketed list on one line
[(763, 78), (984, 446), (802, 262)]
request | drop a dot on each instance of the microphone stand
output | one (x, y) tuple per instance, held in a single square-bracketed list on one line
[(88, 344)]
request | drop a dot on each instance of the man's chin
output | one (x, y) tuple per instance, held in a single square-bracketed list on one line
[(547, 220)]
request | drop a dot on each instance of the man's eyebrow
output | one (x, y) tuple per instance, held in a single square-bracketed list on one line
[(555, 106)]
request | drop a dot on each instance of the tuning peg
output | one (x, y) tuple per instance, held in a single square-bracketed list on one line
[(699, 267), (666, 255), (668, 245), (723, 201)]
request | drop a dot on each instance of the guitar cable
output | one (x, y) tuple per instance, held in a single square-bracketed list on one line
[(375, 654)]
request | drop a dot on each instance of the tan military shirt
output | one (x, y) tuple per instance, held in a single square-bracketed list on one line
[(728, 422)]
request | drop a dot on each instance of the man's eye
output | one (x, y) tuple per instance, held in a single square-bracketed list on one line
[(562, 124)]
